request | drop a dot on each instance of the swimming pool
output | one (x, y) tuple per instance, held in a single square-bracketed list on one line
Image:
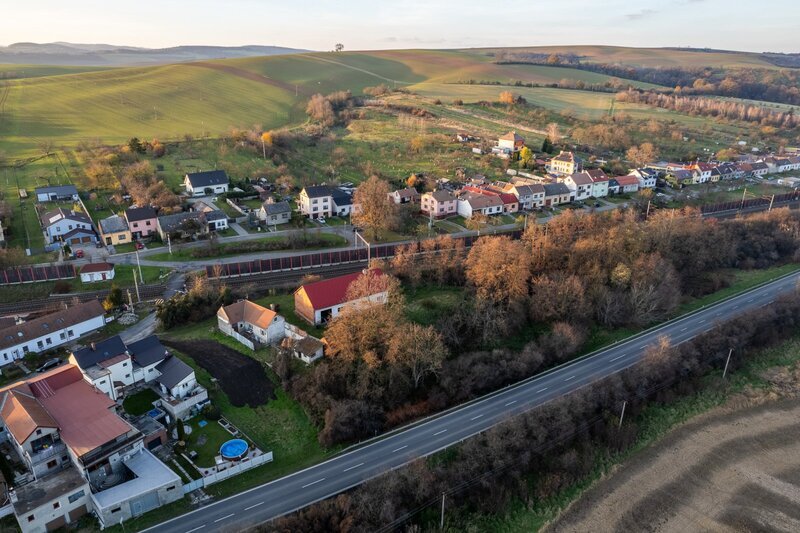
[(234, 449)]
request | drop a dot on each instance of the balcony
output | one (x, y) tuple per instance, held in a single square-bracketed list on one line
[(45, 454)]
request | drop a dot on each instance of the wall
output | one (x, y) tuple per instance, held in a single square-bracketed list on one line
[(240, 467), (9, 355)]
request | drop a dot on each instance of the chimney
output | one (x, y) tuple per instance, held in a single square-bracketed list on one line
[(93, 346)]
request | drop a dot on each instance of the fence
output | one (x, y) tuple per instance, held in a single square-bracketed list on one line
[(753, 202), (238, 468), (35, 274)]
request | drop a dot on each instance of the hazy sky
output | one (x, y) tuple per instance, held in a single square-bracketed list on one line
[(765, 25)]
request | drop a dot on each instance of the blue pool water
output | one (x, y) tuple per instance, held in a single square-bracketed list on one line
[(202, 423), (234, 449), (154, 413)]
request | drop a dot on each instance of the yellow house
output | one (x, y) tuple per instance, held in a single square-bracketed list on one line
[(114, 230)]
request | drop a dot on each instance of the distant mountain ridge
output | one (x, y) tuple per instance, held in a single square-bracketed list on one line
[(109, 55)]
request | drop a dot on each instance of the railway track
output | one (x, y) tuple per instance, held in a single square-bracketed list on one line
[(57, 301)]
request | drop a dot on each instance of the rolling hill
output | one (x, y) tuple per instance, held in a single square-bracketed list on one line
[(209, 96)]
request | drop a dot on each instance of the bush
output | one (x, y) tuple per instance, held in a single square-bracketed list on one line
[(62, 287), (211, 412)]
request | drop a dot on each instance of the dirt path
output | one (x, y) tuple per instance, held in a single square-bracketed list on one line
[(725, 471), (509, 123)]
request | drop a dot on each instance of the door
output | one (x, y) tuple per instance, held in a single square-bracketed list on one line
[(86, 239), (55, 524)]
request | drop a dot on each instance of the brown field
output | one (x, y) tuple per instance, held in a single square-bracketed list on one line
[(725, 471)]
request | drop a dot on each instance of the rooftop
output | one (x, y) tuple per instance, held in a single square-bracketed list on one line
[(249, 312), (147, 351), (113, 224), (318, 191), (100, 351), (42, 491), (33, 329), (208, 178), (173, 371), (149, 474), (96, 267), (330, 292), (60, 190), (276, 208), (136, 214), (51, 217)]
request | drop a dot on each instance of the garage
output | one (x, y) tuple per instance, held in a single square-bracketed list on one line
[(57, 523), (77, 513)]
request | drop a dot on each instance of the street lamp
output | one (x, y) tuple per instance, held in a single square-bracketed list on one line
[(369, 247)]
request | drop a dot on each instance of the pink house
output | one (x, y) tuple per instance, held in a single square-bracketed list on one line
[(142, 221), (439, 204)]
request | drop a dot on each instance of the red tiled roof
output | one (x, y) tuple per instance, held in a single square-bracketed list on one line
[(627, 180), (96, 267), (508, 198), (330, 292)]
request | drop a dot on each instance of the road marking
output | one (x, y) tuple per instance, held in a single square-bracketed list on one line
[(702, 320), (684, 329), (569, 378), (618, 357), (511, 402), (352, 467), (197, 528), (313, 483), (439, 432), (253, 506), (400, 448), (476, 417), (750, 300), (542, 390), (223, 518)]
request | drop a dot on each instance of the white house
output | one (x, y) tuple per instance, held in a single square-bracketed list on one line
[(647, 177), (530, 196), (60, 225), (252, 321), (471, 202), (94, 272), (556, 194), (321, 301), (50, 331), (316, 201), (175, 378), (206, 183), (274, 213), (580, 186)]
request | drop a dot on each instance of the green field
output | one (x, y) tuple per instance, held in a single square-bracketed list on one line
[(11, 71)]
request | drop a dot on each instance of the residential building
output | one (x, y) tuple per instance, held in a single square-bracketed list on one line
[(82, 456), (778, 164), (70, 227), (206, 183), (409, 195), (93, 272), (599, 183), (252, 321), (529, 196), (565, 163), (580, 186), (308, 349), (55, 193), (215, 220), (556, 194), (50, 331), (627, 184), (321, 301), (114, 230), (439, 204), (175, 379), (142, 222), (275, 213), (342, 202), (512, 141), (754, 169), (316, 201), (701, 170), (679, 178), (470, 203), (107, 365), (647, 177), (181, 225)]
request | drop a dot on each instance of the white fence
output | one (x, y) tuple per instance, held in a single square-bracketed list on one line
[(241, 338), (238, 468)]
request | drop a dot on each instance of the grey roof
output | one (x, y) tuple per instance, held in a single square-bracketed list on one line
[(207, 178), (51, 217), (147, 351), (59, 190), (442, 196), (277, 208), (555, 189), (529, 190), (319, 191), (170, 223), (135, 214), (581, 178), (113, 224), (173, 371), (149, 475), (211, 216), (16, 334), (100, 351), (341, 198)]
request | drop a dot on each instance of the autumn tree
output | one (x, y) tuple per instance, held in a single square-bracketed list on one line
[(419, 350), (507, 97), (372, 207), (641, 155), (320, 110), (553, 132), (525, 156)]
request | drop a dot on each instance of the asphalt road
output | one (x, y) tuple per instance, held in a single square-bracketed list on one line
[(340, 473)]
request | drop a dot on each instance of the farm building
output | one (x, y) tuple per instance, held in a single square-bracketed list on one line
[(206, 183), (56, 193), (324, 300), (97, 272)]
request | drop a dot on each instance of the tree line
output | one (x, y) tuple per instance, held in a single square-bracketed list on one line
[(545, 292), (537, 455)]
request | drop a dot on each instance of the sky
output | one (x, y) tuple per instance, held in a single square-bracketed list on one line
[(765, 25)]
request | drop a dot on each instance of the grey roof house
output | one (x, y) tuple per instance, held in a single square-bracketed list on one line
[(206, 183)]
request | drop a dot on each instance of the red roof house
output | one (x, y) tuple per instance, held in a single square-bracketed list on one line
[(321, 301)]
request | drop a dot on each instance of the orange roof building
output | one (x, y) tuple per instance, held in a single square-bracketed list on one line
[(255, 322)]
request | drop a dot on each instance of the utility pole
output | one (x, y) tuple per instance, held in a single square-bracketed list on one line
[(647, 214), (441, 520), (727, 361), (169, 244), (622, 414), (772, 200), (136, 284), (743, 195), (138, 264)]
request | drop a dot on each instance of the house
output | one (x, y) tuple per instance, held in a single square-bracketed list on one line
[(142, 222), (627, 184), (647, 177), (97, 272), (274, 213), (61, 225), (342, 202), (529, 196), (556, 194), (439, 204), (725, 171), (175, 378), (308, 349), (580, 186), (755, 169), (778, 164), (316, 201), (106, 365), (181, 225), (512, 141), (565, 163), (701, 170), (599, 182), (409, 195), (215, 220), (82, 456), (321, 301), (470, 203), (251, 321), (57, 193), (510, 201), (795, 162), (679, 178), (49, 331), (206, 183), (114, 230)]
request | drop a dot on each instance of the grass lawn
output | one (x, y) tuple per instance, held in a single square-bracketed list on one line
[(227, 232), (140, 403), (206, 440), (226, 208), (426, 305), (126, 248), (285, 306), (228, 249)]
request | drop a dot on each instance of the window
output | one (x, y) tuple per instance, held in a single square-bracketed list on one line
[(49, 341), (52, 464), (70, 333), (171, 488), (127, 375), (40, 344), (125, 364), (77, 496), (56, 505), (63, 335), (116, 510), (147, 223), (64, 458), (38, 431)]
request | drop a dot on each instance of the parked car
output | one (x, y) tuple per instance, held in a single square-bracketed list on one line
[(78, 254), (50, 363), (139, 246), (98, 244)]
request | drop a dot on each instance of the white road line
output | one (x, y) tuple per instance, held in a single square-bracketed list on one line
[(352, 467), (476, 417), (511, 402), (196, 529), (542, 390), (253, 506), (223, 518), (684, 329), (439, 432), (569, 378), (400, 448), (313, 483), (702, 320), (750, 300), (618, 357)]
